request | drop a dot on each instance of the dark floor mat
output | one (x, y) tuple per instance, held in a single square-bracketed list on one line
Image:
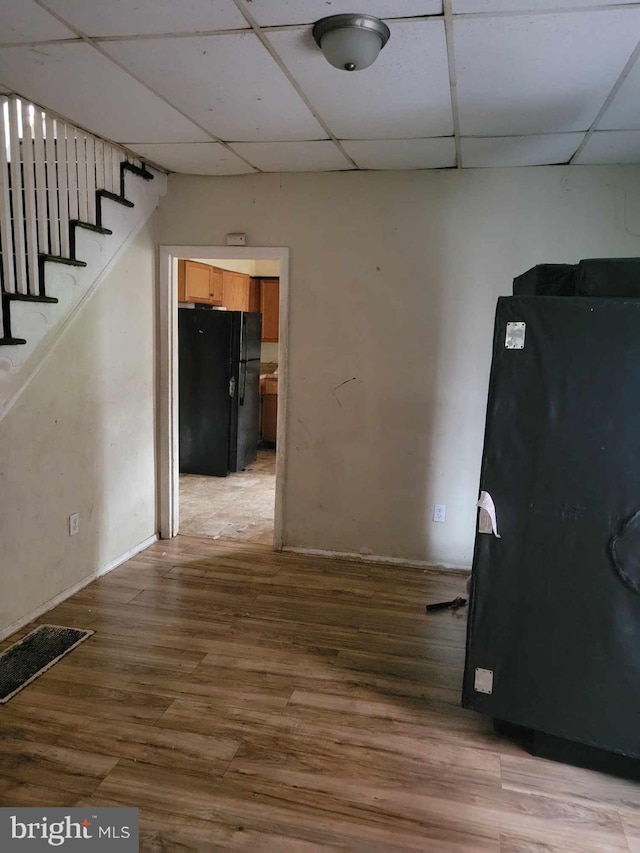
[(34, 654)]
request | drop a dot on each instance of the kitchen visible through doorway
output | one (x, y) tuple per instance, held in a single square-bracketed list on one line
[(228, 355)]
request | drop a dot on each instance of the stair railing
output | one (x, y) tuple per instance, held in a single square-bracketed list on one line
[(50, 171)]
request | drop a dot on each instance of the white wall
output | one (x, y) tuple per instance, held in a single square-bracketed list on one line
[(394, 279), (81, 439), (247, 267)]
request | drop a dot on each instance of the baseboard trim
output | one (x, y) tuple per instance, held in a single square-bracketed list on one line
[(397, 562), (76, 587)]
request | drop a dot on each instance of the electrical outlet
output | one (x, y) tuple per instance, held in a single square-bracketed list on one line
[(74, 524), (440, 513)]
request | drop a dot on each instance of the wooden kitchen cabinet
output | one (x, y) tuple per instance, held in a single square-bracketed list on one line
[(199, 282), (254, 295), (270, 308), (235, 290)]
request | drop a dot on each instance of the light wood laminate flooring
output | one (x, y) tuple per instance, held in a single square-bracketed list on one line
[(240, 506), (250, 700)]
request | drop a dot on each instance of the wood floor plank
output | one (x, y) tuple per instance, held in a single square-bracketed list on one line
[(553, 779), (251, 700), (49, 765), (116, 739), (90, 699), (631, 825), (280, 810)]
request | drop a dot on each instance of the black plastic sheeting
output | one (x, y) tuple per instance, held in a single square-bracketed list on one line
[(555, 602), (619, 277), (546, 280)]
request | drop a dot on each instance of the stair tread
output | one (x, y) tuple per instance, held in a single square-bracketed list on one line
[(115, 197), (59, 259), (139, 170), (99, 229), (27, 297)]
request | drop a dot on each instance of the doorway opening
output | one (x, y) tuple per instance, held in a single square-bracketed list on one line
[(222, 392)]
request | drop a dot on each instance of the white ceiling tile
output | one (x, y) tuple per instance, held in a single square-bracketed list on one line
[(279, 12), (23, 21), (202, 158), (611, 146), (316, 156), (464, 6), (118, 18), (542, 150), (405, 93), (624, 111), (402, 153), (539, 74), (76, 81), (227, 83)]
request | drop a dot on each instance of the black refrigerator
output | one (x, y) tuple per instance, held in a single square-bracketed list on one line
[(219, 389), (554, 622)]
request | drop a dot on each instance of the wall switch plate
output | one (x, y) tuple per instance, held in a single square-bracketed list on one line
[(74, 524), (236, 239), (440, 513)]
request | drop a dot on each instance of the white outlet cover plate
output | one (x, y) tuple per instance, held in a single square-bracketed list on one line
[(440, 513)]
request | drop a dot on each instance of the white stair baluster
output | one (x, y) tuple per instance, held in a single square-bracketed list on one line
[(30, 210), (72, 172), (41, 182), (118, 157), (6, 229), (16, 198), (52, 187), (100, 182), (81, 153), (89, 174), (63, 193)]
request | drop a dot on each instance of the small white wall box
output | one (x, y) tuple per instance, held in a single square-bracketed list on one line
[(236, 239)]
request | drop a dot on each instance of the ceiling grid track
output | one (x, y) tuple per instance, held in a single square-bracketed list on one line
[(453, 83), (609, 100), (276, 58), (236, 87), (96, 46)]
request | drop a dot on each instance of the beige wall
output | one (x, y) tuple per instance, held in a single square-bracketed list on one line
[(250, 267), (247, 267), (394, 280), (81, 439)]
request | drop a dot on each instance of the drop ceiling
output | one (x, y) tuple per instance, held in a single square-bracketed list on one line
[(223, 87)]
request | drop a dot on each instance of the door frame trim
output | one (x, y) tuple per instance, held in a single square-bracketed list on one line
[(168, 446)]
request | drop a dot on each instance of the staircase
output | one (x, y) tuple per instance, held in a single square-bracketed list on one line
[(69, 203)]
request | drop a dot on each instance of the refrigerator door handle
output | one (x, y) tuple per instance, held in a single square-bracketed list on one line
[(243, 368)]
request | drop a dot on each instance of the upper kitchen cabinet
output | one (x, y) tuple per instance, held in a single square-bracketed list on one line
[(270, 308), (236, 288), (200, 283)]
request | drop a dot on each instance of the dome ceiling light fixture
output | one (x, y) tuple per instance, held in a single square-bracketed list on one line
[(351, 42)]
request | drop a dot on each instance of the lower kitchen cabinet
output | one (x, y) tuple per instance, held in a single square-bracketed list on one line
[(268, 408)]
